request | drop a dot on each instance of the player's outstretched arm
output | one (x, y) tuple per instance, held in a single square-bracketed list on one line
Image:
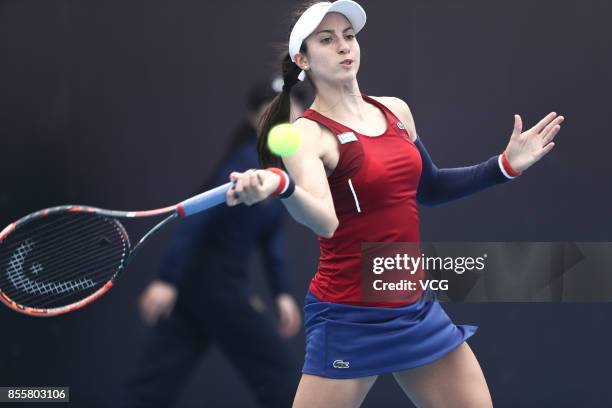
[(438, 186)]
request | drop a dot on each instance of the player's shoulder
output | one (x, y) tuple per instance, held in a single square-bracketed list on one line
[(310, 129), (395, 104), (400, 109)]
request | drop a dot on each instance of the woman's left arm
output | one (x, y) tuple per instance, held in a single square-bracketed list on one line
[(438, 186)]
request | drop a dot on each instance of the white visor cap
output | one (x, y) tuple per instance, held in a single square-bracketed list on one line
[(313, 16)]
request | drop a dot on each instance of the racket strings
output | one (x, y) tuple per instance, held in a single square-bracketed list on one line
[(34, 293), (62, 223), (81, 264), (48, 248), (61, 259), (25, 288), (66, 298), (54, 246), (70, 297), (54, 292), (51, 221)]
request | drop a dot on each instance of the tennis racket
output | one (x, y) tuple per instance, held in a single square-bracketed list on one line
[(60, 259)]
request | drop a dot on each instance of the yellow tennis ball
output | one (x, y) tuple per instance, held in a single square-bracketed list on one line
[(284, 140)]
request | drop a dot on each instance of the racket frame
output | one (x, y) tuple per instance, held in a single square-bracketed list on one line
[(183, 209)]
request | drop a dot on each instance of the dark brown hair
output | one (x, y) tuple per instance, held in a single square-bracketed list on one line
[(279, 110)]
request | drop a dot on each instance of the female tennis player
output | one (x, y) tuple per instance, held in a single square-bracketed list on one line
[(357, 178)]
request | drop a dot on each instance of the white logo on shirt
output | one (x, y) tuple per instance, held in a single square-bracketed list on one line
[(347, 137)]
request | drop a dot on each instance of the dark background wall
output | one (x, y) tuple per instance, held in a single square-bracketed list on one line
[(127, 105)]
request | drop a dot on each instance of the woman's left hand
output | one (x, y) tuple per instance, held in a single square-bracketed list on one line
[(526, 148)]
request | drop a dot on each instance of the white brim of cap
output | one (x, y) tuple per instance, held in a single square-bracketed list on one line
[(352, 11), (313, 16)]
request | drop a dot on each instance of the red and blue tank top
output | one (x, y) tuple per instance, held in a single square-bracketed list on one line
[(374, 188)]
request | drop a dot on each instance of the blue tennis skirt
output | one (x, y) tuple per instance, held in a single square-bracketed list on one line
[(345, 341)]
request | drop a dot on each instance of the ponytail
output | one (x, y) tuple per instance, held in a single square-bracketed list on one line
[(279, 111)]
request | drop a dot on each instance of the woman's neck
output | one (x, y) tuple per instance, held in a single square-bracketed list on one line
[(340, 100)]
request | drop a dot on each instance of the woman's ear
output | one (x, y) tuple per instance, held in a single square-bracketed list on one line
[(302, 61)]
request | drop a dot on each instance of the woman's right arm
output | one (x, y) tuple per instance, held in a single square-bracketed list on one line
[(311, 204)]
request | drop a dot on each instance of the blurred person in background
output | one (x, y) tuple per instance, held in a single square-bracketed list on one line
[(201, 296)]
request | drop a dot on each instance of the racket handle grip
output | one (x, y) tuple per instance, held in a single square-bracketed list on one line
[(203, 201)]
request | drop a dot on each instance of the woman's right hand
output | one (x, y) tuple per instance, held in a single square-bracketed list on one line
[(157, 301), (251, 187)]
